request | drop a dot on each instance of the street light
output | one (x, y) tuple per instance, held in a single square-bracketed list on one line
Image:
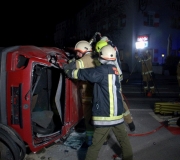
[(162, 57)]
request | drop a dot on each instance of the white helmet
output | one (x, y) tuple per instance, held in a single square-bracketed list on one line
[(108, 53), (104, 38), (83, 47)]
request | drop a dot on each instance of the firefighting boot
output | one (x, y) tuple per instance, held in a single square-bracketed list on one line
[(149, 94), (87, 143), (89, 137), (116, 157), (145, 85), (152, 90), (146, 92)]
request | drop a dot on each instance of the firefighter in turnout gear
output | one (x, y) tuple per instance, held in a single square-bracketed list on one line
[(147, 72), (107, 110), (127, 115), (178, 75), (85, 60)]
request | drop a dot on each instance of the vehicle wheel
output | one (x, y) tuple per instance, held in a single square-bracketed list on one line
[(5, 153), (6, 127), (9, 149), (16, 138)]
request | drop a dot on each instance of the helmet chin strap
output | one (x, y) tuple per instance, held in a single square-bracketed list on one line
[(103, 61), (88, 52)]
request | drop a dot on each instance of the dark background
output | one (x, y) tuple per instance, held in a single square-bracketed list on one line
[(33, 23)]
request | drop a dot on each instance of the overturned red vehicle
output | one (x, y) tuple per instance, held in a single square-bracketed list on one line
[(38, 104)]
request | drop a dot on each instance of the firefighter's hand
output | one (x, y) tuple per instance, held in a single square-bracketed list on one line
[(71, 65), (69, 73), (121, 77), (72, 60), (65, 66), (121, 90)]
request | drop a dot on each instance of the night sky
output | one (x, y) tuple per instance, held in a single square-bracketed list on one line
[(30, 23)]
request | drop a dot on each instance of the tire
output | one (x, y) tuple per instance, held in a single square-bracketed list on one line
[(5, 153), (16, 138), (6, 127), (9, 149)]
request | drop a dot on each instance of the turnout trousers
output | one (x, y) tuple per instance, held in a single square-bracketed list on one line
[(86, 95), (100, 135)]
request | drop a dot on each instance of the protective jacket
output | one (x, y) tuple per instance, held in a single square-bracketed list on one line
[(146, 65), (86, 61), (147, 72), (127, 115), (107, 102)]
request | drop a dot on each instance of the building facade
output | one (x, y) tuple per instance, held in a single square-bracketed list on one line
[(126, 22)]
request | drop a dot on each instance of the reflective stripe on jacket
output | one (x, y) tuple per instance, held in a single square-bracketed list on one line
[(85, 62)]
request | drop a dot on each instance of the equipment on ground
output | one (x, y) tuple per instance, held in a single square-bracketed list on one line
[(167, 108), (172, 121)]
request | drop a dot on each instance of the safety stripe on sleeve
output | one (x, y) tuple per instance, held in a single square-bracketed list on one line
[(80, 63), (126, 113), (74, 74), (149, 72)]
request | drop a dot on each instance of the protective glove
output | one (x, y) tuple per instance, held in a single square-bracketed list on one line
[(120, 77), (69, 73), (120, 88), (71, 65), (65, 66), (72, 60)]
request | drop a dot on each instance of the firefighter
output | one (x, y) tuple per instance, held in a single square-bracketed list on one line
[(178, 75), (127, 115), (147, 72), (84, 53), (107, 111)]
